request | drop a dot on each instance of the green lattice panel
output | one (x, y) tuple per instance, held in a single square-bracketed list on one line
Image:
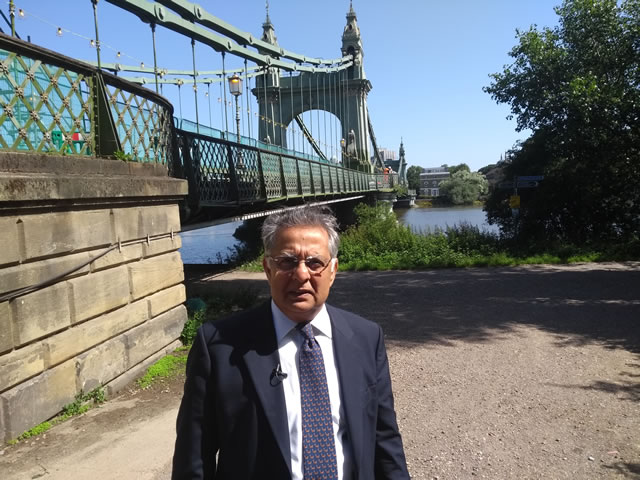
[(272, 176), (290, 175), (43, 107), (142, 126), (211, 167), (326, 177), (317, 178), (305, 176), (334, 180), (246, 166)]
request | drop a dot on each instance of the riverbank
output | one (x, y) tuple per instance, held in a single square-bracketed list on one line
[(520, 372)]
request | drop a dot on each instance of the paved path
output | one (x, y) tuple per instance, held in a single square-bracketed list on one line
[(470, 351)]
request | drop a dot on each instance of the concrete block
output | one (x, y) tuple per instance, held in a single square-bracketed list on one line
[(138, 222), (160, 219), (155, 274), (129, 253), (81, 337), (41, 313), (155, 334), (102, 363), (32, 273), (99, 292), (21, 364), (38, 399), (127, 224), (118, 384), (60, 232), (10, 240), (166, 299), (162, 245), (6, 333)]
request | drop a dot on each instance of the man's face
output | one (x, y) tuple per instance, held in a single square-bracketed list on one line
[(300, 293)]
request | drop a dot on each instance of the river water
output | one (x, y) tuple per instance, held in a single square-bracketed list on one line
[(214, 244)]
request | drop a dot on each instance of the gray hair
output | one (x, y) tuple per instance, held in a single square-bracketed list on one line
[(307, 216)]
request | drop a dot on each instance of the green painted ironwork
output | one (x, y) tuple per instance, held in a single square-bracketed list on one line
[(190, 16), (224, 173), (52, 103)]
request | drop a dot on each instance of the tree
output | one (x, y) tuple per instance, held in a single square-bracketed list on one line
[(413, 177), (463, 187), (576, 86), (456, 168)]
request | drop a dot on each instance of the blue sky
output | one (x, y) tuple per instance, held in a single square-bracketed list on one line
[(427, 60)]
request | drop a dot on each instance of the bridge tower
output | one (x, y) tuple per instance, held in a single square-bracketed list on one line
[(282, 99), (402, 165)]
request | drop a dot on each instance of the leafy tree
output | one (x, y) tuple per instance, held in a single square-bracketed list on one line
[(456, 168), (576, 86), (463, 187), (413, 177)]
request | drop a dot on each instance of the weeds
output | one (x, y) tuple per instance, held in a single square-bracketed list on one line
[(166, 367), (81, 404)]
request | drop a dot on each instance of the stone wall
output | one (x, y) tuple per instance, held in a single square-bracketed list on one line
[(105, 322)]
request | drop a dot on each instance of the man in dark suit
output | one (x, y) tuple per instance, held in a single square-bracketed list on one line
[(293, 389)]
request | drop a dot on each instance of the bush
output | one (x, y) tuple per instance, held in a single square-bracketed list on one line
[(204, 310), (379, 242)]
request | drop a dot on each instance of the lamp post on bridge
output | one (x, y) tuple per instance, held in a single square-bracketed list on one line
[(235, 88)]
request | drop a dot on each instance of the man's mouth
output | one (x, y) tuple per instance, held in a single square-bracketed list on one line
[(300, 293)]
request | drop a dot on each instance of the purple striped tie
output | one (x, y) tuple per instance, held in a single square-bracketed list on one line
[(318, 447)]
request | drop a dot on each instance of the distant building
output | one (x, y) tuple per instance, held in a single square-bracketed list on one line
[(430, 180)]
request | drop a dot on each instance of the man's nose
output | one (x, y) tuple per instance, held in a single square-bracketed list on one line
[(301, 272)]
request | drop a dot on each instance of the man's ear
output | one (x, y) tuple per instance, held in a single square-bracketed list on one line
[(266, 267)]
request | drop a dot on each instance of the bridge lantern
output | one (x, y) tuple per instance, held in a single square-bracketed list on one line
[(235, 85)]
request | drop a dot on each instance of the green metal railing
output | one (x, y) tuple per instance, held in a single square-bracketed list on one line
[(221, 173), (52, 103)]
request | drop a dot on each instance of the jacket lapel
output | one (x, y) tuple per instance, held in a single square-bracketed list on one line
[(352, 385), (261, 362)]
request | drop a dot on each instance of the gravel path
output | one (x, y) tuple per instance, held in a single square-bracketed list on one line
[(527, 373)]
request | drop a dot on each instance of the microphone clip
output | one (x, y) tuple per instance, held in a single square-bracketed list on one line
[(277, 375)]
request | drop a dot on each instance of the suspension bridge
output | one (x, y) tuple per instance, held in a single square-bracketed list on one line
[(282, 153)]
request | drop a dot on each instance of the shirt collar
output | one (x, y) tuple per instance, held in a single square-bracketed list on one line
[(283, 324)]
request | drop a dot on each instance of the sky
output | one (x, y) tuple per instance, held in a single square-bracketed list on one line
[(427, 60)]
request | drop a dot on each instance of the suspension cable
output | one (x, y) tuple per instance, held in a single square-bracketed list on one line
[(247, 80), (224, 94), (293, 123), (195, 85), (280, 127)]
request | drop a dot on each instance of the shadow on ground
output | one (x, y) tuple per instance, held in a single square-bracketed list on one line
[(579, 305)]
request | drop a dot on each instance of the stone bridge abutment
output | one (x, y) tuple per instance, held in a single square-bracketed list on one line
[(72, 317)]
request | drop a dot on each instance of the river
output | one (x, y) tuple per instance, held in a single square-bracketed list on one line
[(214, 244)]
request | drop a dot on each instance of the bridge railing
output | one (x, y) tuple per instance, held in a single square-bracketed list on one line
[(221, 172), (53, 103)]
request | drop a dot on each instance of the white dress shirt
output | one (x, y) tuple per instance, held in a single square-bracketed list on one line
[(289, 341)]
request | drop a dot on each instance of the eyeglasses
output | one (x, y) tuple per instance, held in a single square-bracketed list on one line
[(288, 263)]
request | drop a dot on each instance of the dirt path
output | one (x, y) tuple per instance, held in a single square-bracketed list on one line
[(529, 372)]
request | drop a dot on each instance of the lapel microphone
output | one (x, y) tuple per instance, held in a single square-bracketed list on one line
[(277, 375)]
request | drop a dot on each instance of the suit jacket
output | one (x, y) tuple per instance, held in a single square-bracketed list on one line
[(232, 406)]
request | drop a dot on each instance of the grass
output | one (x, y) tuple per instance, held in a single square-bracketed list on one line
[(167, 367), (82, 403)]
